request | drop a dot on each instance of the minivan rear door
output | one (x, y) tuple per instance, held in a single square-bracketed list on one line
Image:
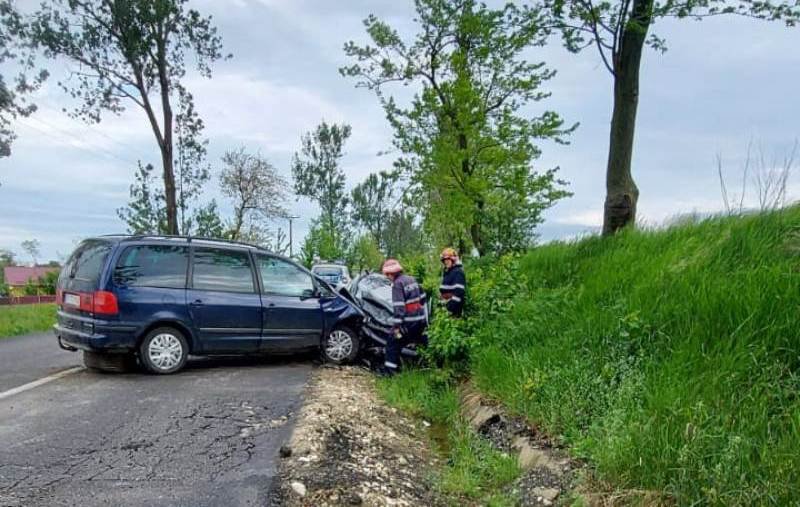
[(293, 315), (82, 273), (224, 301)]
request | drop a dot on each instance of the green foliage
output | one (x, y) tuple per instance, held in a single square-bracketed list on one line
[(667, 359), (493, 287), (13, 94), (467, 147), (47, 283), (145, 213), (370, 203), (130, 53), (23, 319), (474, 470), (317, 175), (364, 254), (323, 243)]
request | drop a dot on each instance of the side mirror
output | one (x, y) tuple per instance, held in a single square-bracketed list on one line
[(309, 293)]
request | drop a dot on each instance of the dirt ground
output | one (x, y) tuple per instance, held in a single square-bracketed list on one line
[(349, 448)]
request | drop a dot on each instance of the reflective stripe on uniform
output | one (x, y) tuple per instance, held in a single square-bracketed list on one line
[(390, 364), (398, 303), (415, 318), (451, 287), (456, 299)]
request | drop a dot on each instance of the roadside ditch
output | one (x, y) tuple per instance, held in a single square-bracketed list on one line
[(394, 443)]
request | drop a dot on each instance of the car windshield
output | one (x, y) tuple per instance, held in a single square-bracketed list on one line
[(328, 271)]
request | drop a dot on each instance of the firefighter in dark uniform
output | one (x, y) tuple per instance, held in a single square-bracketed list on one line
[(409, 319), (454, 283)]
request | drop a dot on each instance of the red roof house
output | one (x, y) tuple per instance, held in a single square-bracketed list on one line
[(18, 276)]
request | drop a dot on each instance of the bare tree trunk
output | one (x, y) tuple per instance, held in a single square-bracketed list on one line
[(167, 148), (622, 194)]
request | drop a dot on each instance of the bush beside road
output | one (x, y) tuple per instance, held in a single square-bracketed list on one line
[(24, 319)]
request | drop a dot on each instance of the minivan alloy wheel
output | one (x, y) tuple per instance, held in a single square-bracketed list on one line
[(339, 345), (165, 351)]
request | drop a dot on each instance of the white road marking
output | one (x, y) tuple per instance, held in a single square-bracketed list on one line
[(37, 383)]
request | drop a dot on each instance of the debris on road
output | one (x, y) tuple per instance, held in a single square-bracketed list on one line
[(349, 448)]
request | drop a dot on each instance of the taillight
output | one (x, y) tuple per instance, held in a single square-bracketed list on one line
[(59, 297), (104, 303)]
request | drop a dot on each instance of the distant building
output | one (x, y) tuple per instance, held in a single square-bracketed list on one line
[(16, 277)]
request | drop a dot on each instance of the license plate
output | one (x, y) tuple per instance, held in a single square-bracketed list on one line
[(72, 300)]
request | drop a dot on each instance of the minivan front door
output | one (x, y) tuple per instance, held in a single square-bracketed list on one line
[(223, 301), (292, 312)]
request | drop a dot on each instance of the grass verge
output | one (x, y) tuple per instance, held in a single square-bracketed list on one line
[(23, 319), (474, 471), (668, 360)]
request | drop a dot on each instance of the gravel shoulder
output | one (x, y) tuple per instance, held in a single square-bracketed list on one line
[(349, 448)]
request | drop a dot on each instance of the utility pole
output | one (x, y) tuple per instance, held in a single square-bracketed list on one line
[(291, 252)]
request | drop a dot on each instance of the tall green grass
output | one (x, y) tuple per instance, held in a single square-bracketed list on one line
[(23, 319), (474, 470), (668, 359)]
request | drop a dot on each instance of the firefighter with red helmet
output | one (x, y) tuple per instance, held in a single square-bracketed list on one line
[(409, 317), (454, 282)]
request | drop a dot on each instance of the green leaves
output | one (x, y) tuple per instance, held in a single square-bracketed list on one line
[(466, 147)]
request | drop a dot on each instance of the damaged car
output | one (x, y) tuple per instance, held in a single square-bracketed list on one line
[(156, 300), (372, 293)]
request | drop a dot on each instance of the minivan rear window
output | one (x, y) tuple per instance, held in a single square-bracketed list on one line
[(84, 268), (153, 266)]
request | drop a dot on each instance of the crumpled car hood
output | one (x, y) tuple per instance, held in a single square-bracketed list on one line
[(373, 293)]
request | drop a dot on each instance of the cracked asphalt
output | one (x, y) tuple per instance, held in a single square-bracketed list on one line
[(204, 437)]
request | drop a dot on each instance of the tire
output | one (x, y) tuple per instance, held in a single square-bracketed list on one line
[(341, 346), (117, 363), (164, 350)]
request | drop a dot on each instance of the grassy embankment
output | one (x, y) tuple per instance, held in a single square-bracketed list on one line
[(669, 360), (23, 319)]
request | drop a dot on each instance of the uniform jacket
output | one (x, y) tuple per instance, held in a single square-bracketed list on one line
[(408, 301), (453, 289)]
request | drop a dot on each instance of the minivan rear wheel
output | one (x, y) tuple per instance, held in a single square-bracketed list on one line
[(164, 350), (340, 346)]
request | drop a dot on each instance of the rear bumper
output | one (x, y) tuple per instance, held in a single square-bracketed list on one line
[(83, 333)]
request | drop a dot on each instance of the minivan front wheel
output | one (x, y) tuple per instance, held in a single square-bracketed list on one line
[(164, 350), (340, 346)]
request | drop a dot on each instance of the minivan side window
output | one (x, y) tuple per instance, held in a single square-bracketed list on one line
[(222, 270), (283, 278), (153, 266)]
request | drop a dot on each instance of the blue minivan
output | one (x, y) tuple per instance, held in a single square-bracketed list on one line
[(161, 298)]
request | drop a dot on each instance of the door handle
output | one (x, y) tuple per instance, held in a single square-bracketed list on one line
[(197, 302)]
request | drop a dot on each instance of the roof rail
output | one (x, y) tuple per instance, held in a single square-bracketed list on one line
[(189, 239)]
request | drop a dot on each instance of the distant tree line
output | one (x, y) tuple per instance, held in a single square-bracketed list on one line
[(468, 140)]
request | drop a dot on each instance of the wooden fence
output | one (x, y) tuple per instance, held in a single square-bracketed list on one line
[(27, 300)]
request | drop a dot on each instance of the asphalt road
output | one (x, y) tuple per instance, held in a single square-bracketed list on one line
[(24, 359), (204, 437)]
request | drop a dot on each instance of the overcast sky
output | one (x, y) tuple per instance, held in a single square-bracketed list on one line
[(724, 83)]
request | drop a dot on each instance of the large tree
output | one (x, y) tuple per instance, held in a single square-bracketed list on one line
[(371, 204), (318, 176), (256, 190), (131, 51), (467, 137), (14, 54), (620, 30)]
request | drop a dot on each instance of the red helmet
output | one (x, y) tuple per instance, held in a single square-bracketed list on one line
[(391, 267)]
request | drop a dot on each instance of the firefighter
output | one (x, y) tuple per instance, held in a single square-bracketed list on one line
[(409, 317), (454, 283)]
